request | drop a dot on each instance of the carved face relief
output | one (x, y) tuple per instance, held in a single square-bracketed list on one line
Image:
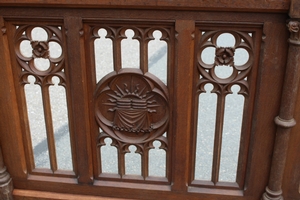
[(132, 107)]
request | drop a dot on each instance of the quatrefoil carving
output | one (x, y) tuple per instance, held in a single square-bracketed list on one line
[(225, 56), (40, 49)]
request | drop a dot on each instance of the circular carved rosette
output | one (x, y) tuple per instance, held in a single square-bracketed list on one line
[(132, 107)]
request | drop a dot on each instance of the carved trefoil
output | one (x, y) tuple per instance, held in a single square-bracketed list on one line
[(40, 53), (131, 98), (225, 60)]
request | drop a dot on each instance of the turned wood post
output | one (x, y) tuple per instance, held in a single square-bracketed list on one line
[(6, 186), (285, 120)]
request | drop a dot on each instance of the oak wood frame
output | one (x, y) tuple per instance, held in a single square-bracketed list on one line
[(185, 28)]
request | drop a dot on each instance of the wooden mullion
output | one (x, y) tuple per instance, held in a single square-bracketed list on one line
[(121, 163), (218, 138), (49, 127), (144, 56), (145, 164), (117, 53)]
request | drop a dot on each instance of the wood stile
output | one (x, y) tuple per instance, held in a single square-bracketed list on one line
[(268, 161)]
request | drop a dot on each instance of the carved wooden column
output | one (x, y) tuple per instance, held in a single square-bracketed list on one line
[(6, 186), (285, 120)]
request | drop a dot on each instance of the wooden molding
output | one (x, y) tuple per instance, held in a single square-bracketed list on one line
[(38, 195), (224, 5)]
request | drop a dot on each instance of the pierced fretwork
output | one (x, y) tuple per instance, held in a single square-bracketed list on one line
[(40, 54), (132, 106), (220, 64)]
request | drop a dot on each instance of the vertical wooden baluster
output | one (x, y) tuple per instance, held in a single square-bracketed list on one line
[(81, 126), (285, 120), (183, 83)]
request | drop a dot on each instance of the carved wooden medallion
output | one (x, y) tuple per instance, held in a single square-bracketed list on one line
[(132, 107)]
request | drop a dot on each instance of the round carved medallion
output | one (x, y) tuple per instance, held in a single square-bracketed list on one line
[(132, 107)]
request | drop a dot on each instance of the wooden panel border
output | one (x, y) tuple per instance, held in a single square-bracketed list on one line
[(220, 5)]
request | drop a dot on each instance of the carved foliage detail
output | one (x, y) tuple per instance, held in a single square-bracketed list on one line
[(132, 107), (40, 49), (224, 56)]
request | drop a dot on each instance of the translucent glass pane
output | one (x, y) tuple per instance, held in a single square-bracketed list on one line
[(157, 161), (55, 50), (205, 134), (37, 124), (109, 157), (60, 125), (132, 162), (208, 55), (223, 72), (41, 64), (234, 106), (241, 56), (157, 57), (130, 49), (25, 48), (39, 34), (103, 55), (226, 40)]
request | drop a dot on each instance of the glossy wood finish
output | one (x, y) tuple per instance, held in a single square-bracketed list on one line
[(184, 23)]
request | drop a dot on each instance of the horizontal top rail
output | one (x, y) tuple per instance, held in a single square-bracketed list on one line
[(280, 6)]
